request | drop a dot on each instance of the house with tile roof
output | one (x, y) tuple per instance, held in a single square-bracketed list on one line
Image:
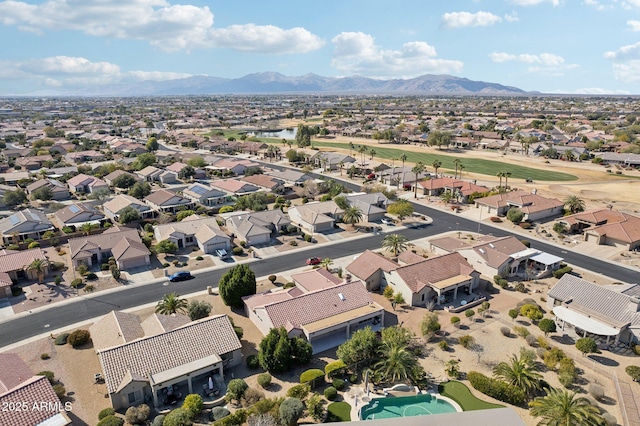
[(316, 216), (78, 214), (504, 256), (437, 279), (122, 243), (610, 312), (234, 186), (265, 181), (459, 188), (257, 227), (59, 191), (315, 279), (166, 201), (235, 165), (606, 227), (293, 177), (206, 195), (331, 160), (33, 162), (372, 205), (535, 207), (114, 206), (116, 174), (86, 184), (28, 399), (14, 266), (369, 267), (326, 317), (183, 357), (194, 230), (24, 224)]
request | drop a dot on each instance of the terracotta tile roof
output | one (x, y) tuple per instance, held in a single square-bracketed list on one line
[(318, 305), (409, 257), (433, 270), (268, 297), (162, 196), (368, 263), (190, 225), (315, 279), (437, 183), (234, 185), (13, 372), (105, 241), (151, 355), (36, 390), (157, 324), (83, 179), (18, 260), (176, 167), (525, 201), (121, 201), (597, 217), (627, 231), (263, 181), (129, 248), (71, 212), (115, 328)]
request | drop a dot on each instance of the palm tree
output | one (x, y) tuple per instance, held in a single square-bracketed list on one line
[(500, 175), (506, 180), (436, 165), (520, 372), (403, 157), (460, 169), (372, 153), (341, 165), (394, 243), (352, 215), (40, 266), (362, 151), (326, 262), (456, 163), (561, 408), (417, 169), (350, 148), (171, 304), (574, 204), (397, 363)]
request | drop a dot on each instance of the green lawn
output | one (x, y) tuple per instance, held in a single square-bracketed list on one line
[(461, 394), (339, 412)]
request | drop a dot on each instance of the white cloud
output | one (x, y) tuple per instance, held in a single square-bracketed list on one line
[(157, 22), (596, 4), (630, 51), (57, 71), (357, 53), (600, 91), (628, 72), (511, 17), (468, 19), (534, 2), (266, 39), (546, 59), (633, 25)]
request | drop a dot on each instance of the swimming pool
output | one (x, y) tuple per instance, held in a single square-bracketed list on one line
[(406, 406)]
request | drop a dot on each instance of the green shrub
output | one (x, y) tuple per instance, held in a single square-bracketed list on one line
[(91, 276), (455, 320), (312, 377), (353, 378), (443, 345), (466, 341), (236, 388), (330, 393), (218, 413), (237, 250), (338, 384), (334, 369), (236, 419), (104, 267), (558, 273), (49, 375), (16, 291), (111, 420), (552, 357), (61, 339), (78, 338), (299, 391), (44, 356), (272, 278), (253, 362), (199, 258), (60, 391), (308, 238), (33, 245), (521, 331), (177, 417), (193, 405), (636, 349), (497, 389), (137, 415), (634, 372), (106, 412), (76, 283), (264, 380), (521, 288)]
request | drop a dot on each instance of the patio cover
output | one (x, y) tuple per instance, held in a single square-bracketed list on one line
[(584, 322), (546, 258)]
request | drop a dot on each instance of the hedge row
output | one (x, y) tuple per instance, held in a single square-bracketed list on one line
[(497, 389), (558, 273)]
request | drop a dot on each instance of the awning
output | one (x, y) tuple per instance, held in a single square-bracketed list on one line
[(590, 325), (546, 258)]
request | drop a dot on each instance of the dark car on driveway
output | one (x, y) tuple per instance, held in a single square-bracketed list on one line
[(180, 276)]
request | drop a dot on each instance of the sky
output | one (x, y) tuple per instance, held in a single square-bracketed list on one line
[(550, 46)]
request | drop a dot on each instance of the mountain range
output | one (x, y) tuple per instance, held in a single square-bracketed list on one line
[(276, 83)]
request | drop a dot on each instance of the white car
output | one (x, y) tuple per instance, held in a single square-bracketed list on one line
[(387, 221)]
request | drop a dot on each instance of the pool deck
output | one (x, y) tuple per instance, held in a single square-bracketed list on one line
[(357, 397)]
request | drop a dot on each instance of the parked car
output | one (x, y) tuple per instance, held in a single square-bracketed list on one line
[(387, 221), (314, 260), (222, 254), (180, 276)]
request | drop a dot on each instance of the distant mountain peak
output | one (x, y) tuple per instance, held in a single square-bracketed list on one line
[(275, 82)]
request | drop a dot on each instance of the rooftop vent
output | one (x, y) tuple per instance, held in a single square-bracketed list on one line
[(341, 296)]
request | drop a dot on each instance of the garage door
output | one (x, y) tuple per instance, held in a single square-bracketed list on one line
[(210, 248)]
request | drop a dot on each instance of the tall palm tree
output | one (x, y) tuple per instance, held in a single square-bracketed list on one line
[(341, 165), (456, 163), (397, 363), (436, 165), (562, 408), (395, 243), (170, 304), (574, 204), (417, 169), (372, 153), (350, 148), (362, 151), (403, 157), (352, 215), (500, 175), (460, 169), (40, 267), (520, 372), (506, 180)]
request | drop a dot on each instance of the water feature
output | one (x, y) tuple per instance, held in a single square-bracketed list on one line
[(406, 406), (278, 134)]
